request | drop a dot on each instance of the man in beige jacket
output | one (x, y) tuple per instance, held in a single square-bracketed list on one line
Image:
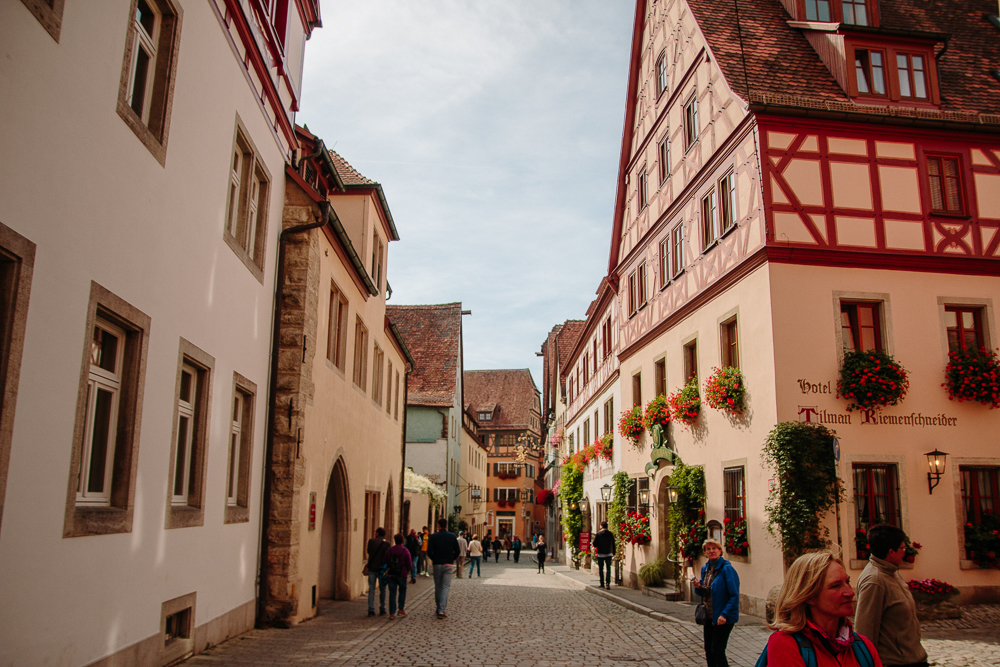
[(886, 612)]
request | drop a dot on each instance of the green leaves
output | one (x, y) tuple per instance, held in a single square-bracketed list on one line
[(619, 509), (801, 454), (571, 492), (870, 379), (686, 516)]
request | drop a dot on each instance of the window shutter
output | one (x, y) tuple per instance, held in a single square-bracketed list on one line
[(517, 494), (496, 469), (496, 495)]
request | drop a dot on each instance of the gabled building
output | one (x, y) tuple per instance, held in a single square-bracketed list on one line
[(799, 179), (434, 396), (143, 170), (507, 407), (340, 369), (472, 475)]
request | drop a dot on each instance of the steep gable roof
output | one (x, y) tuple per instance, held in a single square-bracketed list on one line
[(433, 334), (513, 391)]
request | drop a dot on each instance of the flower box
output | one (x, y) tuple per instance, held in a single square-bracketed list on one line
[(871, 380), (935, 599)]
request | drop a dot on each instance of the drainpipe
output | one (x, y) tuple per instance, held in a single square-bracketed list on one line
[(324, 218)]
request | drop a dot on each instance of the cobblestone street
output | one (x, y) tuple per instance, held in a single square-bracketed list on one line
[(513, 616)]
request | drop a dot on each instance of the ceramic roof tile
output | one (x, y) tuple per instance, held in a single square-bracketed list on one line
[(433, 334), (348, 174), (512, 391)]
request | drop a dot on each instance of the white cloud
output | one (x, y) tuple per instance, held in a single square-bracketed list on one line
[(494, 128)]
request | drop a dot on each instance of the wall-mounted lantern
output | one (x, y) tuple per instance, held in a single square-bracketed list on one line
[(606, 493), (672, 493), (644, 497), (935, 463)]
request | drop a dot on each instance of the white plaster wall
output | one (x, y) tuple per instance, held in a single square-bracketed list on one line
[(79, 184)]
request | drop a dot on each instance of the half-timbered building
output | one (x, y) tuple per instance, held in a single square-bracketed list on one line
[(799, 178)]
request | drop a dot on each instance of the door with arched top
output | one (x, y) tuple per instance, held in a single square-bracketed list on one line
[(335, 540)]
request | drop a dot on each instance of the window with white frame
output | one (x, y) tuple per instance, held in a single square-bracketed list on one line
[(378, 364), (104, 387), (709, 219), (661, 74), (664, 158), (388, 389), (691, 128), (146, 23), (642, 284), (727, 198), (247, 204), (360, 354), (377, 251), (336, 332), (188, 446), (643, 189), (676, 250), (240, 443)]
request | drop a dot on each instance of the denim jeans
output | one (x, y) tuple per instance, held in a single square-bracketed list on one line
[(442, 585), (374, 577), (396, 583), (422, 563), (474, 563), (604, 564), (716, 639)]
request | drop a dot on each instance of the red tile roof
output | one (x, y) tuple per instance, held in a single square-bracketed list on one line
[(568, 338), (433, 334), (780, 61), (512, 391), (349, 174)]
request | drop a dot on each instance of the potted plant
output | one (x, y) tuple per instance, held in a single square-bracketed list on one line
[(973, 375), (604, 446), (982, 542), (657, 413), (630, 425), (871, 379), (935, 599), (685, 404), (725, 390), (651, 574), (735, 536)]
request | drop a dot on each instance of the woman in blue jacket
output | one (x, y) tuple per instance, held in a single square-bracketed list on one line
[(719, 588)]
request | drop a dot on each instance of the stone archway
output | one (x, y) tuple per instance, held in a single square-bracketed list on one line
[(335, 540), (663, 526)]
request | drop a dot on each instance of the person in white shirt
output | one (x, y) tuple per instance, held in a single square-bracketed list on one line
[(463, 548), (475, 556)]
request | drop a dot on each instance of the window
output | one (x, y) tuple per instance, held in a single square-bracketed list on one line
[(676, 250), (586, 431), (377, 249), (104, 385), (246, 204), (485, 416), (690, 124), (585, 364), (240, 449), (664, 262), (730, 344), (395, 403), (372, 501), (817, 10), (607, 338), (965, 327), (660, 378), (870, 71), (388, 389), (643, 190), (641, 282), (691, 360), (177, 629), (49, 14), (360, 354), (876, 498), (661, 74), (730, 207), (17, 258), (980, 492), (945, 184), (594, 354), (609, 415), (734, 486), (664, 158), (855, 12), (190, 438), (637, 390), (106, 432), (861, 326), (912, 76), (378, 364), (709, 220), (146, 90), (633, 295), (336, 331)]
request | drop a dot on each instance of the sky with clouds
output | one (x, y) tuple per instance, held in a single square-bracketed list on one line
[(494, 127)]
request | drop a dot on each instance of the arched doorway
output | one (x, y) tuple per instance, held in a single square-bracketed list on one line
[(334, 555), (663, 525), (390, 514)]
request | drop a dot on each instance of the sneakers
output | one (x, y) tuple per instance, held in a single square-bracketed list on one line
[(402, 614)]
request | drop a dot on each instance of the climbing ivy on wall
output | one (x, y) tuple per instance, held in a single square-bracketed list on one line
[(686, 516), (618, 509), (801, 454), (571, 493)]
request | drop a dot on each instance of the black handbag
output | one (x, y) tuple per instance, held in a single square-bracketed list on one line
[(701, 614)]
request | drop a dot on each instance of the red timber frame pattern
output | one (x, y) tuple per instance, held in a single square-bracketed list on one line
[(799, 216)]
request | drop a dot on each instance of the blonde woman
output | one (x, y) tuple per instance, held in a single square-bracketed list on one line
[(812, 618), (719, 588)]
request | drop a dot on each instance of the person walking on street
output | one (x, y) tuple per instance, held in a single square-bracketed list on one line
[(541, 552), (463, 547), (534, 540), (508, 545), (375, 569), (475, 556), (443, 550), (399, 562), (424, 541), (517, 548), (604, 547), (487, 543), (812, 617), (886, 613), (413, 545), (719, 587), (497, 545)]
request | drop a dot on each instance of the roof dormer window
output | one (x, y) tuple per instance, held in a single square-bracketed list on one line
[(851, 12), (912, 78), (870, 71), (900, 71), (855, 12)]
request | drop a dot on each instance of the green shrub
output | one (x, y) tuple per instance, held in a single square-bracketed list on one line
[(651, 574)]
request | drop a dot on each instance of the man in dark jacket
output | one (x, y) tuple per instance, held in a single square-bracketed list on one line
[(378, 547), (604, 545), (443, 549)]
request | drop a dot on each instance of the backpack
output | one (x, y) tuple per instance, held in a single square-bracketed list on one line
[(393, 568), (861, 652)]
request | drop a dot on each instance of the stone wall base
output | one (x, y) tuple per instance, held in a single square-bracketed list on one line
[(979, 594), (753, 605), (150, 651)]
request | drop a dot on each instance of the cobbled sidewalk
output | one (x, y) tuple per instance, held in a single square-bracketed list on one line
[(515, 617)]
